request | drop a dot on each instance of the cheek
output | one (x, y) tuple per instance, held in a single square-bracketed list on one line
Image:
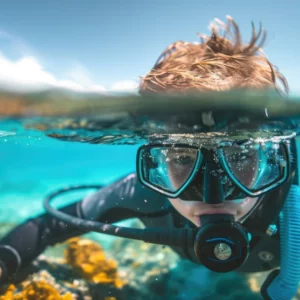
[(181, 206), (246, 206), (176, 176), (185, 209), (248, 173)]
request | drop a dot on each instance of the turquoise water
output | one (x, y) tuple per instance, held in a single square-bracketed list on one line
[(32, 165)]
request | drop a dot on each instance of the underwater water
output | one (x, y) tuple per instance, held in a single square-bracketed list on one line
[(41, 155)]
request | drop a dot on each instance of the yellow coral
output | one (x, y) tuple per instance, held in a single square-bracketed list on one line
[(9, 293), (89, 259), (35, 290)]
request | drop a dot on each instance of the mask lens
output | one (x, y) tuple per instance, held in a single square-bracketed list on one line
[(256, 166), (168, 168)]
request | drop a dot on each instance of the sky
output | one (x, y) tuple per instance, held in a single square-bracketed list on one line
[(106, 45)]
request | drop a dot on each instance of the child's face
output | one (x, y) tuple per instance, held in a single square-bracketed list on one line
[(181, 162), (178, 164), (193, 209)]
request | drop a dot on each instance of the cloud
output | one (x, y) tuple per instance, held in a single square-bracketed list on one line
[(79, 73), (27, 74), (125, 86)]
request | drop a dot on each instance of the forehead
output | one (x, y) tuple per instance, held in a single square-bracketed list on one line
[(221, 138)]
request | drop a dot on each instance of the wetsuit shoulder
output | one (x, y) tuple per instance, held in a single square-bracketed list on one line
[(29, 239), (126, 198)]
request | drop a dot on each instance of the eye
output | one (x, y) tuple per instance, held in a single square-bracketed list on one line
[(183, 160), (243, 157), (239, 156)]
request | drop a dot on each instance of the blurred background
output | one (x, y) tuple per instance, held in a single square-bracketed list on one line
[(104, 47)]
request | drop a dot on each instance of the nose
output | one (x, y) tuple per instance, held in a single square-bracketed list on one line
[(213, 192)]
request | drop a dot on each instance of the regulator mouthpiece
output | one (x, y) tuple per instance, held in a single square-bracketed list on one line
[(221, 244)]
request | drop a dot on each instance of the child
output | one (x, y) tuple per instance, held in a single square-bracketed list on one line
[(218, 63)]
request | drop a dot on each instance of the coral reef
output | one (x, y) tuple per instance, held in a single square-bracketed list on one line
[(80, 270), (35, 290), (89, 260)]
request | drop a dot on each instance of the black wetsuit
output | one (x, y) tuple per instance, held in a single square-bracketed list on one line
[(124, 199)]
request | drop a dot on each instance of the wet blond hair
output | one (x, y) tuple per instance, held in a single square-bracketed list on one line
[(218, 63)]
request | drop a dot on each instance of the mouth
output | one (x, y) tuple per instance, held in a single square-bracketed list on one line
[(214, 211)]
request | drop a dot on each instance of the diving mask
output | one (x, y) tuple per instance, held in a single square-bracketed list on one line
[(215, 167)]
